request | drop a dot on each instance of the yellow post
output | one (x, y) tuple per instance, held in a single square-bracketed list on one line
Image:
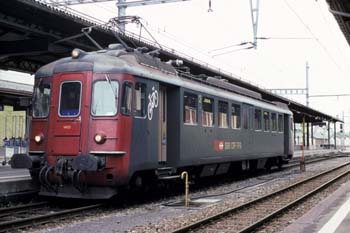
[(302, 158), (184, 175)]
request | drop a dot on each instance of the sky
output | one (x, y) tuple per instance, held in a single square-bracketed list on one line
[(300, 31)]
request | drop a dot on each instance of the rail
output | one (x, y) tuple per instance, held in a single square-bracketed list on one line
[(273, 201), (19, 220)]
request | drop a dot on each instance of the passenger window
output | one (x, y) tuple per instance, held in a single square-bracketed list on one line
[(190, 108), (236, 116), (223, 112), (208, 109), (274, 121), (257, 117), (140, 100), (280, 123), (266, 121), (126, 99)]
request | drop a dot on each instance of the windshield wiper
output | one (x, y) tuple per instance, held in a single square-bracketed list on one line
[(110, 85)]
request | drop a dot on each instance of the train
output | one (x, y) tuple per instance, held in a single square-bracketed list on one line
[(119, 118)]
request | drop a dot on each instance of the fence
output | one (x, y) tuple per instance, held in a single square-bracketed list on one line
[(13, 146)]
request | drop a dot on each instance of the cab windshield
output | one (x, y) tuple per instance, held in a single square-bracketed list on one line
[(104, 98), (41, 100)]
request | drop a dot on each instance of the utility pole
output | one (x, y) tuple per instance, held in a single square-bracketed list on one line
[(254, 11), (307, 67), (121, 4), (300, 91), (307, 83), (121, 12)]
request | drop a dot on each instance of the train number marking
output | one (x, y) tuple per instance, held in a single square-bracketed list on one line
[(153, 102)]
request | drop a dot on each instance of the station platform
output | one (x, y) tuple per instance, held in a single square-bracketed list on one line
[(331, 215), (311, 152), (15, 181)]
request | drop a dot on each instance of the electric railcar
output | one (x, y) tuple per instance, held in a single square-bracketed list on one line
[(114, 118)]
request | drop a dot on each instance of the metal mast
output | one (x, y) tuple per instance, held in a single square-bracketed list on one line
[(254, 11), (121, 4), (307, 83)]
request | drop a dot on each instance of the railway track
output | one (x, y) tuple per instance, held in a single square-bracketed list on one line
[(22, 216), (252, 215), (309, 160)]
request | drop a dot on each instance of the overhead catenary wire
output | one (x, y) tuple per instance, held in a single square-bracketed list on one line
[(313, 35), (163, 32), (232, 51), (260, 38), (330, 29), (230, 46)]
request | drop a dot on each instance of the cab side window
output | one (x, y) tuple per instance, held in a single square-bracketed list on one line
[(126, 99), (140, 100)]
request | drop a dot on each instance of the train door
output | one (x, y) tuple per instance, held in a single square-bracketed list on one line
[(67, 114), (162, 129), (288, 135)]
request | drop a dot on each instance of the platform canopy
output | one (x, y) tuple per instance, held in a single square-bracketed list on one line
[(33, 34), (341, 11)]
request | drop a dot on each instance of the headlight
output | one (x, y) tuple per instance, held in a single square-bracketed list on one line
[(100, 138), (75, 53), (39, 138)]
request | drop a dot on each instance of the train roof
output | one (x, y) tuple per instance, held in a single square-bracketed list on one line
[(148, 65)]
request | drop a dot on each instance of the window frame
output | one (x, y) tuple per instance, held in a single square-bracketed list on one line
[(126, 84), (280, 130), (135, 111), (213, 111), (188, 93), (227, 114), (41, 82), (261, 121), (92, 96), (80, 97), (272, 122), (234, 105), (269, 121)]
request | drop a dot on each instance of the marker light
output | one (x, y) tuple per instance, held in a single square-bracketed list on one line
[(75, 53), (99, 138), (39, 138)]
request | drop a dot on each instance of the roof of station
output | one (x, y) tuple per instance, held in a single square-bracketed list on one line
[(341, 11), (34, 34)]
